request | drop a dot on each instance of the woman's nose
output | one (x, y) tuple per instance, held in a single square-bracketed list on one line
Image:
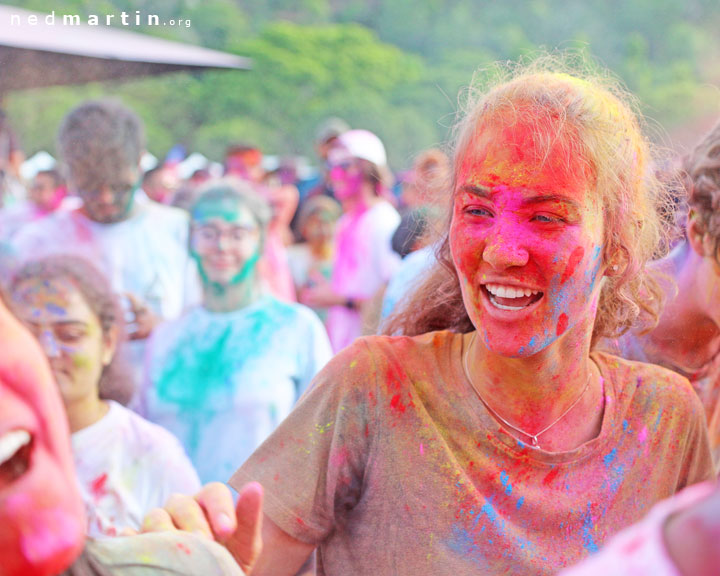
[(49, 344), (505, 249)]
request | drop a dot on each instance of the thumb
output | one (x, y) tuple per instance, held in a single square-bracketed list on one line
[(246, 543)]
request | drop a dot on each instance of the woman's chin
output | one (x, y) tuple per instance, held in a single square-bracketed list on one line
[(43, 528)]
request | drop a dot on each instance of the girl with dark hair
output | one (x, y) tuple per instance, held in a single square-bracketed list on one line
[(125, 464)]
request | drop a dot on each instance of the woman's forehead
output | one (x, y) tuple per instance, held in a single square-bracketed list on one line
[(223, 209)]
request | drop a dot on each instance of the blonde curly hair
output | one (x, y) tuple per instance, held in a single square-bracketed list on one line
[(595, 119)]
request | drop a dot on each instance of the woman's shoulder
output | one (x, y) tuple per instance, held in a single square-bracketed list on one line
[(645, 384)]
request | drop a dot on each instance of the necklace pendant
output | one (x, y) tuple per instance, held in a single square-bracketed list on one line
[(533, 441)]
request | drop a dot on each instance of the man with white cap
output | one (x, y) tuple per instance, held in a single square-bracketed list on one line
[(364, 259)]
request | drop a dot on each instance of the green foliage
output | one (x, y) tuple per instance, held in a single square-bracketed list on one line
[(392, 66)]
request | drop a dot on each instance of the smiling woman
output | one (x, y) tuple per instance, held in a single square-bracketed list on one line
[(501, 442)]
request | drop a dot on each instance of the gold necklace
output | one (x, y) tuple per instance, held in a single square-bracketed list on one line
[(533, 437)]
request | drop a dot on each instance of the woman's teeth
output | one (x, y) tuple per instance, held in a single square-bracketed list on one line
[(11, 442), (509, 291), (523, 296)]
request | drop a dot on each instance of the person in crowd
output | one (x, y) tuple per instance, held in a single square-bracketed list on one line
[(157, 185), (493, 438), (46, 194), (326, 140), (364, 259), (42, 517), (225, 374), (141, 247), (11, 159), (311, 261), (126, 465), (686, 339), (430, 175), (422, 198), (245, 162)]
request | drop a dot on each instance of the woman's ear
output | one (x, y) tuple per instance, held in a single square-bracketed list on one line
[(697, 237), (617, 263), (110, 341)]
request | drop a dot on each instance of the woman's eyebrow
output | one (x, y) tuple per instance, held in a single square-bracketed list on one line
[(542, 198), (476, 190)]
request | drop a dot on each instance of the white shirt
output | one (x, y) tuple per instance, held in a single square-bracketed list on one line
[(364, 262), (222, 382), (147, 254), (127, 466)]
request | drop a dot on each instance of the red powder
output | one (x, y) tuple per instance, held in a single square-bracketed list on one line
[(574, 260), (396, 404), (184, 548), (550, 476), (97, 487), (562, 324)]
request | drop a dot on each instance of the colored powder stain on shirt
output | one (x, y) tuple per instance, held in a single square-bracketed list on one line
[(587, 529), (98, 486), (505, 480), (550, 476), (625, 425), (657, 420), (520, 502), (642, 436), (610, 457), (396, 404)]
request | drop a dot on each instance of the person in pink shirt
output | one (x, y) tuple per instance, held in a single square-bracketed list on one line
[(364, 258)]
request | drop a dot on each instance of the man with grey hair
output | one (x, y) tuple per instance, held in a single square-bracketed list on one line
[(140, 246)]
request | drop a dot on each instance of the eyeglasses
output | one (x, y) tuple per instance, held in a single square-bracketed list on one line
[(210, 234)]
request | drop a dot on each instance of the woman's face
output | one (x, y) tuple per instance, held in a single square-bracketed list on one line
[(346, 179), (526, 239), (69, 333), (226, 242), (42, 523), (319, 228)]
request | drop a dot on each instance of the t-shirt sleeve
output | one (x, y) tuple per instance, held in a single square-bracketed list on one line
[(312, 466), (697, 463)]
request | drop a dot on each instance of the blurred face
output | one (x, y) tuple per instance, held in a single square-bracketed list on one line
[(319, 228), (346, 179), (226, 243), (69, 333), (107, 200), (44, 194), (42, 522), (526, 239)]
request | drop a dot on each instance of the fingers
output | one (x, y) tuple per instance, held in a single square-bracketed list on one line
[(157, 520), (187, 515), (246, 542), (217, 503)]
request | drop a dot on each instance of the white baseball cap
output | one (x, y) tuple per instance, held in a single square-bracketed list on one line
[(365, 145)]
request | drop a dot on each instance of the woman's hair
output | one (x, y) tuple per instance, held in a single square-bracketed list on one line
[(232, 192), (702, 177), (593, 119), (116, 380)]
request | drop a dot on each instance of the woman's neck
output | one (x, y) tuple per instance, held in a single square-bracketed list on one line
[(534, 392), (321, 250), (85, 412), (227, 298)]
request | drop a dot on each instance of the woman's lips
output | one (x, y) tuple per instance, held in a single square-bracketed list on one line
[(15, 451), (511, 298)]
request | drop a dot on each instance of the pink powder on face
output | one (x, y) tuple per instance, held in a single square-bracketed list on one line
[(48, 533)]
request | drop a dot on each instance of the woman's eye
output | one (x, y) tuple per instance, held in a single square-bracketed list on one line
[(478, 211), (546, 218), (70, 334)]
